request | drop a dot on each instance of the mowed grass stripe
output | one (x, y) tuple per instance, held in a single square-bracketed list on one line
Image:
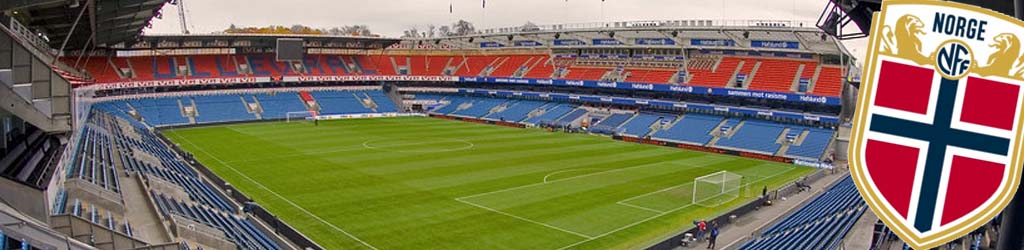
[(407, 200)]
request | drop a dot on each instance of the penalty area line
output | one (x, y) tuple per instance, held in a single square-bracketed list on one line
[(588, 237), (660, 214)]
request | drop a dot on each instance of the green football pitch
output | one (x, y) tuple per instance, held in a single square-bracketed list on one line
[(425, 183)]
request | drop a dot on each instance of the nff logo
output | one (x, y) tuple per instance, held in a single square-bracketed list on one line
[(953, 59)]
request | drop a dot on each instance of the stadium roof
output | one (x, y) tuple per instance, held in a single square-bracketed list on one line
[(258, 41), (109, 22)]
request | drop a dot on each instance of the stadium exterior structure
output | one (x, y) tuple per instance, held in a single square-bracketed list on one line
[(682, 59)]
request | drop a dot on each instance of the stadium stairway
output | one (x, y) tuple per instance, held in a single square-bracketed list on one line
[(751, 76), (718, 134), (256, 107), (252, 107), (309, 101), (735, 74), (783, 141)]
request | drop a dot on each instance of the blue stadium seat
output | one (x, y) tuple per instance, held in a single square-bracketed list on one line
[(551, 114), (517, 111), (277, 105), (480, 107), (454, 103), (238, 230), (813, 145), (820, 224), (611, 123), (340, 102), (640, 126), (221, 108), (755, 135), (572, 116), (384, 103), (692, 128), (159, 111)]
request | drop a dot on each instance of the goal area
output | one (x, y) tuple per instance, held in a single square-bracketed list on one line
[(715, 189), (300, 116)]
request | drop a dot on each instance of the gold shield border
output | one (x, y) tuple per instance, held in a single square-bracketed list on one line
[(858, 171)]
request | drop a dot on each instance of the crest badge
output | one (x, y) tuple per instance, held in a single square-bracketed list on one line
[(936, 144)]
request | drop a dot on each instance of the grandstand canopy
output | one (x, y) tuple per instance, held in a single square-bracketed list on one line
[(259, 41), (110, 22)]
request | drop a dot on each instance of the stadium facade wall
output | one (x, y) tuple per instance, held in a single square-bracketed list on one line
[(28, 200)]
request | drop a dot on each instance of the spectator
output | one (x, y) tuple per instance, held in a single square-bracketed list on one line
[(701, 228), (764, 192), (714, 236)]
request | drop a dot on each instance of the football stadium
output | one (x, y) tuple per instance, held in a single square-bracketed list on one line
[(683, 133)]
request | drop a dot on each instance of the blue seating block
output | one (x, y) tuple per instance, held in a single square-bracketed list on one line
[(692, 128), (551, 114), (755, 135), (517, 111), (340, 102), (572, 116), (221, 108), (277, 105), (641, 124), (821, 224), (813, 145)]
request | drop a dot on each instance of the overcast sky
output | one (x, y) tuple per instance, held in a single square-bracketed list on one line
[(391, 17)]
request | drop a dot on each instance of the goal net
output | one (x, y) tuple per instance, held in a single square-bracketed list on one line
[(716, 189), (300, 116)]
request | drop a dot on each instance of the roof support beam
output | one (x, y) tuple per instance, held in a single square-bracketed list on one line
[(73, 26)]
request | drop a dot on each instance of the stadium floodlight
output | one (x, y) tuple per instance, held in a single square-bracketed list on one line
[(299, 116), (715, 189)]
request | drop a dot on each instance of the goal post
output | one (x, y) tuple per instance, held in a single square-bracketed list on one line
[(300, 116), (715, 189)]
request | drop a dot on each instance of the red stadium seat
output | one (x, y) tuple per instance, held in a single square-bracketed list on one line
[(714, 78), (830, 82), (776, 75), (583, 73), (541, 68)]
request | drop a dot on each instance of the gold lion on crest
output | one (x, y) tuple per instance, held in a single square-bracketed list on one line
[(904, 40), (1001, 62)]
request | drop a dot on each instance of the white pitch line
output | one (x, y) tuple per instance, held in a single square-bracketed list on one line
[(656, 216), (654, 192), (525, 219), (278, 195), (639, 207), (282, 156), (566, 179), (566, 171)]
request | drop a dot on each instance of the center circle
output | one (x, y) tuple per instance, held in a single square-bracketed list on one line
[(418, 145)]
